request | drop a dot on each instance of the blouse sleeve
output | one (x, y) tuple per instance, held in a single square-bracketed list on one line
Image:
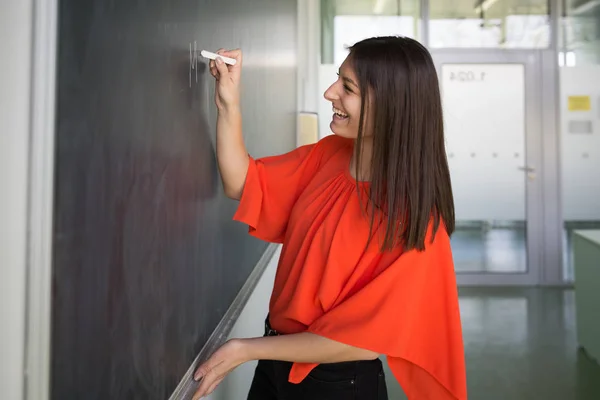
[(409, 311), (272, 187)]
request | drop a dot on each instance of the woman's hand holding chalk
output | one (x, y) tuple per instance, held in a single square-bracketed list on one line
[(213, 56), (227, 90)]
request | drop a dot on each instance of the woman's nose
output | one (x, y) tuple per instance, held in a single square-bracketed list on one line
[(330, 93)]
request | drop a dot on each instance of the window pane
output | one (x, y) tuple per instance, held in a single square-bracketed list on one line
[(349, 29), (486, 150), (345, 22), (579, 36), (489, 23)]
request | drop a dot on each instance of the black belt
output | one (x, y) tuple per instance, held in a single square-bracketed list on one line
[(268, 330)]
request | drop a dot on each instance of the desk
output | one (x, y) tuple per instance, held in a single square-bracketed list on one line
[(586, 250)]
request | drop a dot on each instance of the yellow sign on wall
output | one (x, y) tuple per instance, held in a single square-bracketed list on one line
[(580, 103)]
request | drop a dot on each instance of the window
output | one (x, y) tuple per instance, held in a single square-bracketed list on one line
[(579, 34), (489, 24), (345, 22)]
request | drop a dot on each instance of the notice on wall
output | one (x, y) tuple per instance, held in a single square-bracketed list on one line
[(579, 103)]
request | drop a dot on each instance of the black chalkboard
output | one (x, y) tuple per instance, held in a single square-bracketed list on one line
[(146, 258)]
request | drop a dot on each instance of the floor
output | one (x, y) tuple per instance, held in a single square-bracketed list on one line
[(520, 343)]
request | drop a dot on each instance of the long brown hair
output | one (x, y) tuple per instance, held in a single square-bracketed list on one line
[(410, 178)]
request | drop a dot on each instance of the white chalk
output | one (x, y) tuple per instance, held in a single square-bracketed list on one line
[(213, 56)]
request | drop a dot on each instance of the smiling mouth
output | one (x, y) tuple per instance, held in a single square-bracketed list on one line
[(339, 113)]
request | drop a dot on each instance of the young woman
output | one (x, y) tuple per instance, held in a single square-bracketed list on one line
[(364, 216)]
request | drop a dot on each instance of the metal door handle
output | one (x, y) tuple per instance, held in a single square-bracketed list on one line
[(527, 169)]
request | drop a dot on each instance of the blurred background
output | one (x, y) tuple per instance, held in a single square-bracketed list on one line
[(120, 267)]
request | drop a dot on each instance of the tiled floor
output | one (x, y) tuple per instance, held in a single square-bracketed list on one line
[(520, 343)]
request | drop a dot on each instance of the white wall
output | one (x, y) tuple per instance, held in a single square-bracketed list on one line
[(350, 29), (327, 75), (308, 57), (309, 54), (580, 152), (15, 67)]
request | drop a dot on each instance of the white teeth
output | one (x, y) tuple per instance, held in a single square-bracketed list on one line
[(339, 113)]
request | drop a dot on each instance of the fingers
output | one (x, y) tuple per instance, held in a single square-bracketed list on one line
[(212, 65), (213, 386), (236, 54), (218, 72), (201, 391), (222, 68), (209, 383), (213, 68), (201, 372), (216, 368)]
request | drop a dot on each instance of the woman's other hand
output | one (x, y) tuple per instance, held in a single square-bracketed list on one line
[(227, 88), (218, 366)]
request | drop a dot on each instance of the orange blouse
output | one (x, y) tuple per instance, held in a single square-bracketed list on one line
[(401, 304)]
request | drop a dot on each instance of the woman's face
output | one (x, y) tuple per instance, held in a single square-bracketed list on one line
[(344, 95)]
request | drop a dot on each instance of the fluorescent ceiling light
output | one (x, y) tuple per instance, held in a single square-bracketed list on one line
[(484, 5), (379, 6)]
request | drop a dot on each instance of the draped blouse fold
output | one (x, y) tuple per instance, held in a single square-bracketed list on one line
[(403, 304)]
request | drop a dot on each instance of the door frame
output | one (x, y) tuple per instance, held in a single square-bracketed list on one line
[(37, 354), (532, 60)]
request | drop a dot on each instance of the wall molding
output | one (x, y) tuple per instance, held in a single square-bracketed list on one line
[(40, 200)]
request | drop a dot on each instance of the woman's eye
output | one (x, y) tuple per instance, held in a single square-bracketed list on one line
[(347, 88)]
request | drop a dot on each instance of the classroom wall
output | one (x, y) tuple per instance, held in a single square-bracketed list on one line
[(580, 142)]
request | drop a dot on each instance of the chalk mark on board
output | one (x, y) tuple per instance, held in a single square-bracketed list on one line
[(193, 62)]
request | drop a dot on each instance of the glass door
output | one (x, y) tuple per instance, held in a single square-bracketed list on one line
[(492, 117)]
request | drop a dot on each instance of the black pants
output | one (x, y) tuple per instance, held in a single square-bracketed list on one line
[(354, 380)]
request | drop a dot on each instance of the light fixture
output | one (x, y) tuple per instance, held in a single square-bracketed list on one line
[(379, 6), (484, 5)]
